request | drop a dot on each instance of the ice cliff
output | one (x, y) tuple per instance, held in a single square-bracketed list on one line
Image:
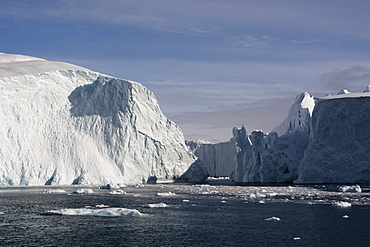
[(63, 124), (219, 158), (274, 157), (339, 149)]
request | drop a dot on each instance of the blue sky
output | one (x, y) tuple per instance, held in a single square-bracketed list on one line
[(211, 64)]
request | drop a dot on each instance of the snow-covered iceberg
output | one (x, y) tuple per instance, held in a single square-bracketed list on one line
[(63, 124)]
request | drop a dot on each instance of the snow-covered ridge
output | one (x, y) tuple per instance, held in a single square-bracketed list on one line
[(81, 127)]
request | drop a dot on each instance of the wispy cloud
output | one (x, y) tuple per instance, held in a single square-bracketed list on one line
[(250, 40), (355, 76), (306, 41)]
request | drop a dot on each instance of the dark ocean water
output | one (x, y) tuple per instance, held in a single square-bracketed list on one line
[(195, 216)]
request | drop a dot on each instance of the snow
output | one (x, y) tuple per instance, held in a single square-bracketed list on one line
[(350, 188), (94, 212), (156, 205), (63, 126), (341, 204)]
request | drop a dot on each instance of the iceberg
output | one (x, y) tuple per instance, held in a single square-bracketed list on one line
[(63, 124), (275, 157), (156, 205), (94, 212), (350, 188), (219, 158), (341, 205), (339, 146)]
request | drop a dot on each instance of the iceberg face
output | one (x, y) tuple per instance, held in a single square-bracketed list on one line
[(219, 158), (81, 127), (299, 116), (339, 149), (275, 157)]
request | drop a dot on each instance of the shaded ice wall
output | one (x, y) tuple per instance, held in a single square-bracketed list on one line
[(339, 149), (219, 158)]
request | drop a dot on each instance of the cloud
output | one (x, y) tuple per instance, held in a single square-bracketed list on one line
[(356, 76), (306, 41), (250, 40)]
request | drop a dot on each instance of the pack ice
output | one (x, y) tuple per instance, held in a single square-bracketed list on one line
[(63, 124)]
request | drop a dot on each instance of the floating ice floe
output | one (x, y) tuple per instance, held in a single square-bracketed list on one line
[(165, 194), (273, 219), (260, 195), (156, 205), (296, 238), (54, 191), (345, 216), (341, 204), (83, 191), (117, 192), (94, 212), (101, 206), (350, 188)]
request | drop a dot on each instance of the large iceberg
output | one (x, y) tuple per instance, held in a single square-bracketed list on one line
[(219, 158), (322, 140), (63, 124), (274, 157), (339, 148)]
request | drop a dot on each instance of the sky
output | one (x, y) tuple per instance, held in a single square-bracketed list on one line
[(212, 64)]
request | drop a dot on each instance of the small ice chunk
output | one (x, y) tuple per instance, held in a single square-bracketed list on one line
[(262, 202), (297, 238), (109, 186), (273, 219), (341, 204), (101, 206), (185, 200), (256, 195), (157, 205), (94, 212), (345, 216), (83, 191), (117, 192), (165, 194), (272, 194), (52, 191), (350, 188), (223, 201)]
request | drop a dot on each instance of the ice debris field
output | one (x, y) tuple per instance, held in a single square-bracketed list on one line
[(334, 196)]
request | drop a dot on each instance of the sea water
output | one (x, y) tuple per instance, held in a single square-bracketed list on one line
[(194, 215)]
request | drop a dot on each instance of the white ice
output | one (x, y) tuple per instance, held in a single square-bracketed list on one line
[(350, 188), (94, 212), (341, 204), (83, 191), (156, 205), (52, 191), (117, 192)]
